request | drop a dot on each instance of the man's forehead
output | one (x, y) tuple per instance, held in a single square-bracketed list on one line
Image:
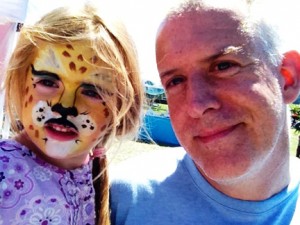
[(213, 33), (212, 12), (196, 26)]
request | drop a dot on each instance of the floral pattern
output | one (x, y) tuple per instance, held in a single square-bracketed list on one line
[(37, 193)]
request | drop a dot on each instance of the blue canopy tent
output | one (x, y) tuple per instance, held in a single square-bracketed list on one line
[(156, 123)]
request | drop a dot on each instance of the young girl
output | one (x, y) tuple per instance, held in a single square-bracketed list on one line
[(72, 86)]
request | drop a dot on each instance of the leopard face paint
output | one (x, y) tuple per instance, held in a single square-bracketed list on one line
[(64, 111)]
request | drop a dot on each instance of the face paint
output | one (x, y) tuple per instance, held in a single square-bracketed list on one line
[(64, 113)]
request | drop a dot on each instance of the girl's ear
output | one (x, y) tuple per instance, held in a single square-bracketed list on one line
[(290, 71)]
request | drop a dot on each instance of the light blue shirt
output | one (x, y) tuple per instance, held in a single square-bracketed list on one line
[(165, 188)]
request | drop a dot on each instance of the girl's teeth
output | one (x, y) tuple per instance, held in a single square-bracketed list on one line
[(60, 129)]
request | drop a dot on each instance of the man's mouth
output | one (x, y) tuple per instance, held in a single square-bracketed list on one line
[(216, 135), (61, 129)]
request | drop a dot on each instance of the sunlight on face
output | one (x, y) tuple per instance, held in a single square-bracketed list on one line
[(64, 111)]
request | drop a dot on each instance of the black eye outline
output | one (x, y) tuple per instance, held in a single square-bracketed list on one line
[(92, 94), (45, 78), (47, 83), (91, 91)]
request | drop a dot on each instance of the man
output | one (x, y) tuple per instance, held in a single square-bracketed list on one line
[(228, 88)]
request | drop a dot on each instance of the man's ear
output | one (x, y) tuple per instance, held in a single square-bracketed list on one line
[(290, 71)]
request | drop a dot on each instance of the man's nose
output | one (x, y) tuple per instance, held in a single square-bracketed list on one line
[(200, 96)]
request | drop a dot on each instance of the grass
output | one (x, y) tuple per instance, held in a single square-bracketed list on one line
[(159, 109), (125, 150)]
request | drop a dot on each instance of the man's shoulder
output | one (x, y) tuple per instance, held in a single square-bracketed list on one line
[(295, 187), (143, 180), (294, 170), (295, 162), (153, 166), (295, 166)]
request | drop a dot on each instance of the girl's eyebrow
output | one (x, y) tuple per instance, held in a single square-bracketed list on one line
[(43, 73), (88, 85), (104, 76), (93, 86)]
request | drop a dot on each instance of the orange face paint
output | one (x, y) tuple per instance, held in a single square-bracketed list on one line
[(64, 110)]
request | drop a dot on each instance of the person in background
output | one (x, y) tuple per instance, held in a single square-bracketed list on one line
[(228, 86), (72, 86)]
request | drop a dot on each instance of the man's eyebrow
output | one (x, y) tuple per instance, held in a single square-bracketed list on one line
[(234, 50), (43, 73), (229, 50), (167, 73)]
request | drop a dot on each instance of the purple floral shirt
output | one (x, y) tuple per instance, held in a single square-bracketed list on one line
[(33, 191)]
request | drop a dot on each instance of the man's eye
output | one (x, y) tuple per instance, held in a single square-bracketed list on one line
[(225, 69), (224, 65), (174, 81), (47, 83), (92, 94)]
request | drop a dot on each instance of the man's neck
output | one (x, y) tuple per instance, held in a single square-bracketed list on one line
[(261, 184)]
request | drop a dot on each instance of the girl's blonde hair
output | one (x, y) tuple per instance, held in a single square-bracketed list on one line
[(112, 44)]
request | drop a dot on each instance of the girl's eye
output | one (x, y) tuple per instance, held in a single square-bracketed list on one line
[(47, 83), (91, 93)]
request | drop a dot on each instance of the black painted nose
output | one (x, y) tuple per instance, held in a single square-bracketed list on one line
[(64, 112)]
